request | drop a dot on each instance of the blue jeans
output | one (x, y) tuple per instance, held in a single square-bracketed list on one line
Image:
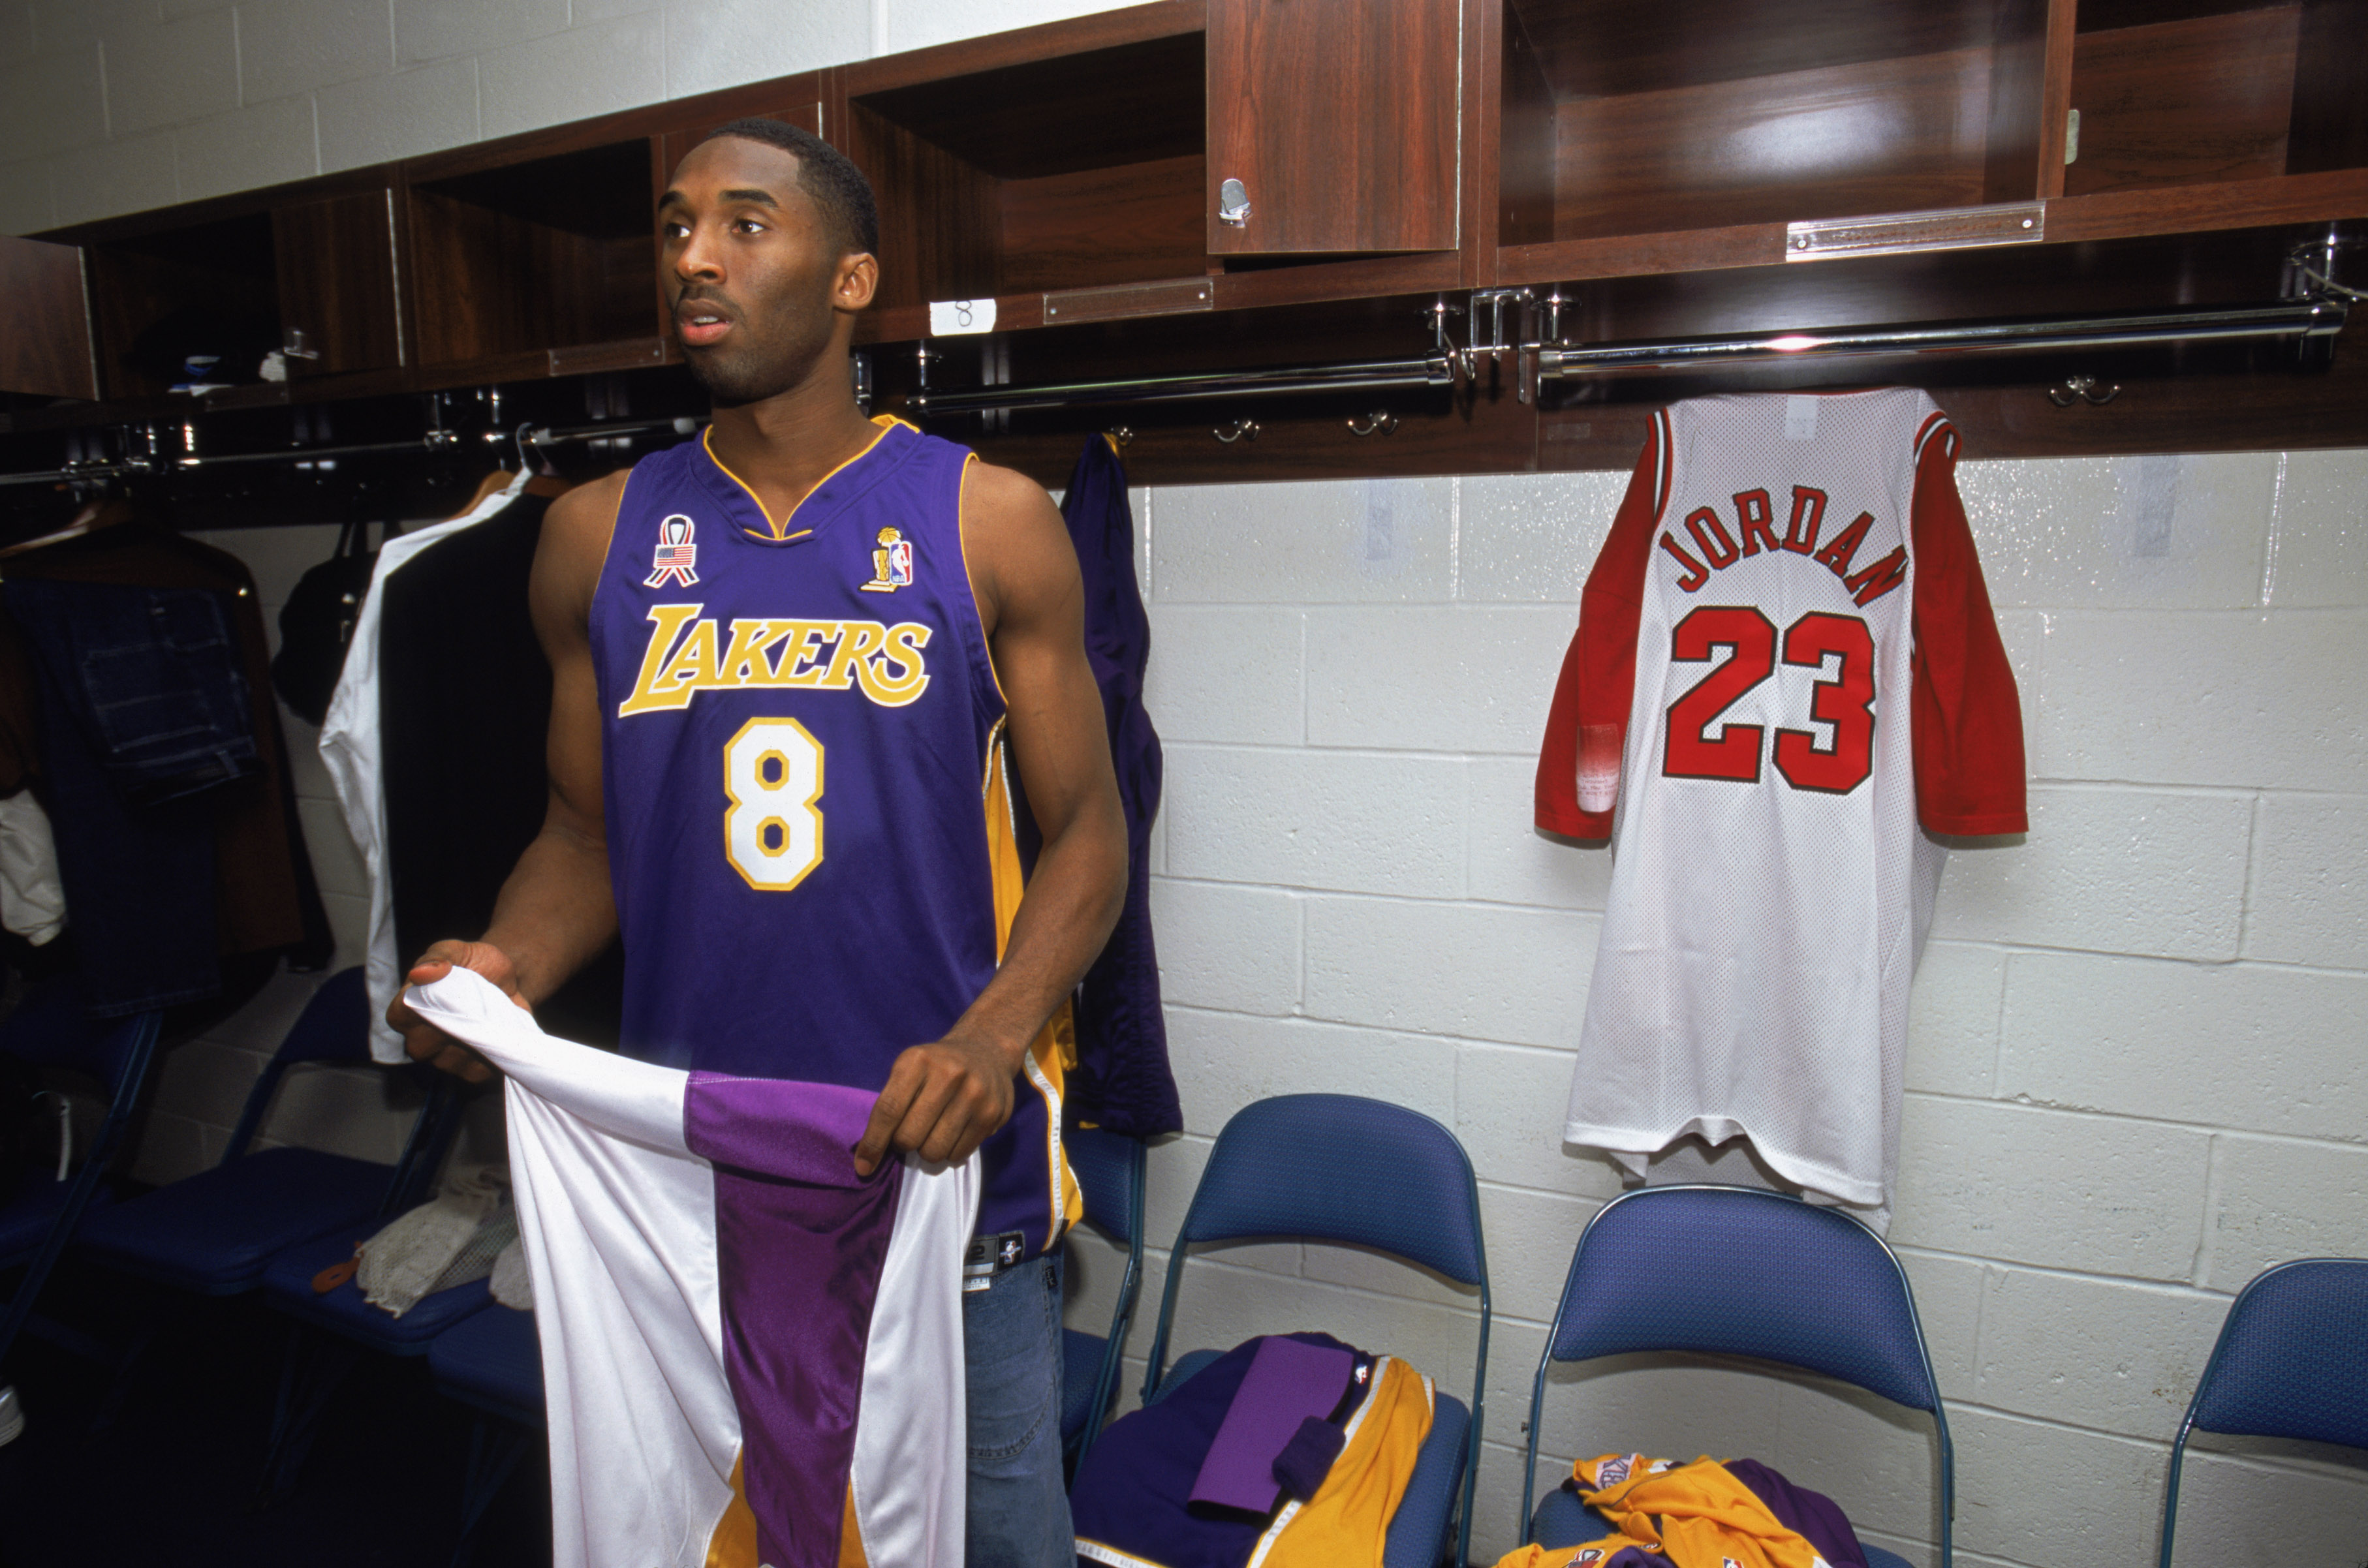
[(1011, 1340)]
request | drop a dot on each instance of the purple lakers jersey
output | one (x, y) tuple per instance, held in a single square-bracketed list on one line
[(809, 810)]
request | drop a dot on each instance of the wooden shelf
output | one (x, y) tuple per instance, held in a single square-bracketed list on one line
[(540, 255), (1077, 171), (1627, 119)]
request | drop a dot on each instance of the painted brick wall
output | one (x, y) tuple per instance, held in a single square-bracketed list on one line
[(2135, 1076), (2135, 1073), (116, 105)]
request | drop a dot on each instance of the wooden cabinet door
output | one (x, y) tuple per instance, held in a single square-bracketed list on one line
[(1339, 116), (44, 324), (335, 267)]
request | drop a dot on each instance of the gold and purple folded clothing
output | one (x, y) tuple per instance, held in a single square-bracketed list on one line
[(1709, 1514), (1288, 1451)]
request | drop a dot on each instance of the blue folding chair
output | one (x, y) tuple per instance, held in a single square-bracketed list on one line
[(343, 1325), (2291, 1361), (1109, 1170), (212, 1232), (491, 1361), (50, 1028), (1657, 1269), (1341, 1168)]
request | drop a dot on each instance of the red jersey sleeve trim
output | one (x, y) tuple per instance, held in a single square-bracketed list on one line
[(1578, 763), (1965, 715)]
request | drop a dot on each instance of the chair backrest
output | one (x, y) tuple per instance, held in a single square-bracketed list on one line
[(334, 1027), (2291, 1361), (1343, 1168), (50, 1028), (1740, 1271), (1338, 1167), (1109, 1169)]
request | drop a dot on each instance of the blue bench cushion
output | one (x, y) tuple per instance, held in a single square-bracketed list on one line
[(214, 1231), (288, 1285), (492, 1360)]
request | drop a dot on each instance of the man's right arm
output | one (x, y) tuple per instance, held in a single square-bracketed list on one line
[(556, 912)]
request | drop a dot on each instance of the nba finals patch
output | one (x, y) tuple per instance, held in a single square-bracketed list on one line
[(892, 563), (676, 554)]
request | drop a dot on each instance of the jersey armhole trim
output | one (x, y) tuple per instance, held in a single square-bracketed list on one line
[(970, 583), (1663, 462)]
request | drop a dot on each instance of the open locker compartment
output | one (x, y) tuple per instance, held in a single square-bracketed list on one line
[(1081, 170), (539, 254), (2205, 91), (1634, 120)]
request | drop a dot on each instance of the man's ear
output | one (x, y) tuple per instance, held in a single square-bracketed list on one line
[(858, 281)]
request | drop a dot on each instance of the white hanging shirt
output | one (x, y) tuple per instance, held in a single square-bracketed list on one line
[(1785, 660), (749, 1354)]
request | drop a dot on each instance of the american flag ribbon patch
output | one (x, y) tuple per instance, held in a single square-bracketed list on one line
[(676, 554)]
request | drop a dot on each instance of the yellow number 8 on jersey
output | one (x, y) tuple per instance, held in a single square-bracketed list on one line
[(772, 776)]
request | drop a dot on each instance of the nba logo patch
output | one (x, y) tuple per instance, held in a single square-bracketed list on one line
[(892, 563), (676, 554)]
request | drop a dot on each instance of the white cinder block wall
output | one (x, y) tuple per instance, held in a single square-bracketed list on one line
[(2137, 1074)]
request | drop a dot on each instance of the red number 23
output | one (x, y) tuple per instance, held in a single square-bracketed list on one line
[(1845, 702)]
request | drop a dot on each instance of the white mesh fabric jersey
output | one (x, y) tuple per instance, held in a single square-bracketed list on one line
[(1784, 652)]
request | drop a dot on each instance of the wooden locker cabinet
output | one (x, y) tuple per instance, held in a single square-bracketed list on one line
[(236, 276), (1340, 119), (1586, 171), (345, 312), (44, 325)]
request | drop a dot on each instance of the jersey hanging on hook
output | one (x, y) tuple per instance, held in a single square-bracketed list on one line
[(1785, 664)]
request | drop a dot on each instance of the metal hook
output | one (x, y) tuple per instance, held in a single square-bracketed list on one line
[(1123, 434), (2084, 389), (1381, 422), (1239, 430)]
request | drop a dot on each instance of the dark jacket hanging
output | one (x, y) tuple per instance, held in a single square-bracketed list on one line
[(134, 684), (464, 715), (1123, 1081)]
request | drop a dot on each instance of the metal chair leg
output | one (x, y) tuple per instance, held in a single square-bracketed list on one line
[(317, 1364), (495, 1448)]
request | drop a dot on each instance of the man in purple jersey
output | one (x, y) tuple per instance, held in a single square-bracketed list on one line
[(766, 240)]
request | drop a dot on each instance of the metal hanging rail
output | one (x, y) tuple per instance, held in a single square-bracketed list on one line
[(438, 440), (1435, 370), (2293, 318), (2317, 315)]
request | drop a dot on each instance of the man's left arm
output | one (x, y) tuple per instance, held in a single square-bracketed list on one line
[(946, 1097)]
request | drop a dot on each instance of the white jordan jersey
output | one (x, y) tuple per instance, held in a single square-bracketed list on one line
[(749, 1354), (1785, 659)]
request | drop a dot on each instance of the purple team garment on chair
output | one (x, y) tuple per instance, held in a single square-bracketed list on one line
[(1288, 1381), (1817, 1518)]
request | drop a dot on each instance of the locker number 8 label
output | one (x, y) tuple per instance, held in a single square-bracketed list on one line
[(772, 776)]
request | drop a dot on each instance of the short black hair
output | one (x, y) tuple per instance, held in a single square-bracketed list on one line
[(824, 173)]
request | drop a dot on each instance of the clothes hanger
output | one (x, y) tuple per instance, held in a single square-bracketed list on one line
[(487, 486), (104, 513)]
